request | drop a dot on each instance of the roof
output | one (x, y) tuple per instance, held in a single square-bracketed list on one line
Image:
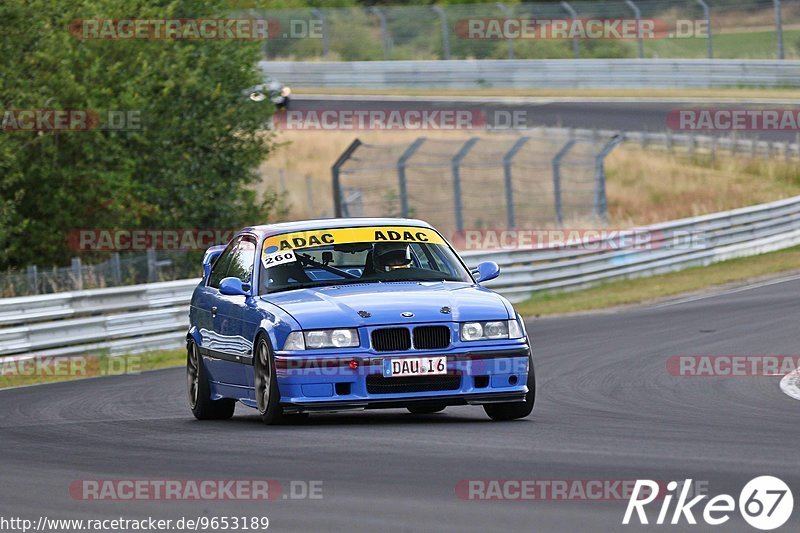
[(330, 223)]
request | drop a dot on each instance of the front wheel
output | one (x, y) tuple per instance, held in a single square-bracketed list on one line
[(203, 407), (514, 410), (268, 396)]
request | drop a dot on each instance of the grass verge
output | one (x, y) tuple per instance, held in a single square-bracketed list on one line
[(644, 290), (33, 372)]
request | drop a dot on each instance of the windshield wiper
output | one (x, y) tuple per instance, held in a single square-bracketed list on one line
[(322, 283)]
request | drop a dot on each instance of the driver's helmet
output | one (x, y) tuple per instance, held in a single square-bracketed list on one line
[(389, 256)]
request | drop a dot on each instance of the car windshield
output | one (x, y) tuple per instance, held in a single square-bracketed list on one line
[(357, 255)]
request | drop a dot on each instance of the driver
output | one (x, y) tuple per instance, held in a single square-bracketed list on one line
[(391, 256)]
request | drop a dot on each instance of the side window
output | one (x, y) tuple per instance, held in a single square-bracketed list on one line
[(221, 266), (428, 258), (242, 260)]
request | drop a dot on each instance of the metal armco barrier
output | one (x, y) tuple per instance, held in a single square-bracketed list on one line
[(155, 316), (536, 73)]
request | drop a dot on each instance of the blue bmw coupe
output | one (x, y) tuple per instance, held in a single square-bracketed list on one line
[(347, 314)]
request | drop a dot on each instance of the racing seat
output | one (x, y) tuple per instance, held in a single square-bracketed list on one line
[(283, 274)]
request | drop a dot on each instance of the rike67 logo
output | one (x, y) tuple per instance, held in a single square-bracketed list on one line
[(765, 503)]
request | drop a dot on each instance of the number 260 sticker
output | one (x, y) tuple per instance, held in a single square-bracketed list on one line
[(278, 258)]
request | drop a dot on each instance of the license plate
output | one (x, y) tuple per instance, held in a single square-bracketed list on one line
[(414, 366)]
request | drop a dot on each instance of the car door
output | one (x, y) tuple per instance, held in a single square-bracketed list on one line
[(232, 309), (218, 340)]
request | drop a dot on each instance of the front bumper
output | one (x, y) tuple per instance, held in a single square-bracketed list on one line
[(473, 377)]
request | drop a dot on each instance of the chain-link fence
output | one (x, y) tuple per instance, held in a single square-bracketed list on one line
[(118, 269), (680, 29), (502, 181)]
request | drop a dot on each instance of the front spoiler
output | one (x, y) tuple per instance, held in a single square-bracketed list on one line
[(396, 403)]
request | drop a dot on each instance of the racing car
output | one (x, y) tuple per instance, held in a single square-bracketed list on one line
[(350, 314)]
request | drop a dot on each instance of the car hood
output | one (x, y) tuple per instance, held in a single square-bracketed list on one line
[(339, 306)]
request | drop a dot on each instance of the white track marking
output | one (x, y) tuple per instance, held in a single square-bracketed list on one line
[(725, 292), (790, 384)]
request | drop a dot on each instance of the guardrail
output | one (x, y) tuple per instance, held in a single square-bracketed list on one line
[(155, 316), (689, 143), (537, 73)]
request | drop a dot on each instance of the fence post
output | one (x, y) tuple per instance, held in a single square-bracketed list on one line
[(309, 197), (384, 30), (507, 13), (455, 164), (557, 178), (445, 31), (282, 180), (33, 278), (507, 159), (707, 15), (77, 273), (575, 42), (317, 12), (401, 174), (779, 27), (335, 169), (116, 269), (600, 201), (637, 13), (152, 266)]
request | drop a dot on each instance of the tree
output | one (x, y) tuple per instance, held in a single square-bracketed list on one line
[(191, 160)]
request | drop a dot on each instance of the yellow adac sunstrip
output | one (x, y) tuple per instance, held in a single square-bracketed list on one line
[(323, 237)]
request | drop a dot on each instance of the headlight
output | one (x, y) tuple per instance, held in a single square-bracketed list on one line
[(491, 330), (322, 338), (294, 341)]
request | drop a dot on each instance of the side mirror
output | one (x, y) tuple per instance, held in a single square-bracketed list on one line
[(209, 258), (234, 287), (486, 271)]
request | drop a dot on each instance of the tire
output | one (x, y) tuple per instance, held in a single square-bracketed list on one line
[(426, 409), (268, 397), (514, 410), (203, 407)]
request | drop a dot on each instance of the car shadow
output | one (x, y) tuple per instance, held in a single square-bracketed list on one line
[(383, 418), (361, 418)]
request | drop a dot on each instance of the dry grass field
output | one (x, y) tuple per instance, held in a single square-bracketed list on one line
[(643, 186)]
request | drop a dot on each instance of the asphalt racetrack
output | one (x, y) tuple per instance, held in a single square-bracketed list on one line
[(607, 409), (587, 113)]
